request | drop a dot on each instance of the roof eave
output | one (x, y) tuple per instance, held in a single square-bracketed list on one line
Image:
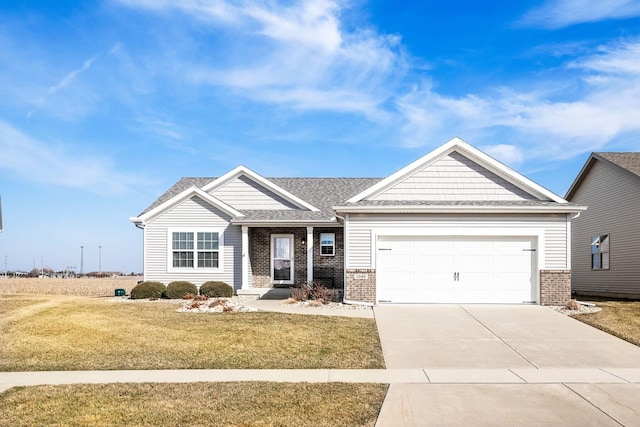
[(280, 223), (561, 208)]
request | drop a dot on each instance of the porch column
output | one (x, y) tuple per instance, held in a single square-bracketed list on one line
[(245, 257), (309, 254)]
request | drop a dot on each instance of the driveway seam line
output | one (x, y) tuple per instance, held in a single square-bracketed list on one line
[(617, 376), (499, 338), (514, 373), (591, 403)]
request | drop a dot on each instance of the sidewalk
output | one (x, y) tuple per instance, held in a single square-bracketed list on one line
[(384, 376)]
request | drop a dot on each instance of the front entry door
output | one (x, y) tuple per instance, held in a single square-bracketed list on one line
[(282, 259)]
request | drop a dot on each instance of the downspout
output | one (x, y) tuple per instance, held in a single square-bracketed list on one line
[(570, 237), (141, 225)]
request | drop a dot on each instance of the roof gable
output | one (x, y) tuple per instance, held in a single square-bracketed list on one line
[(456, 171), (262, 188), (244, 193), (181, 197), (626, 161)]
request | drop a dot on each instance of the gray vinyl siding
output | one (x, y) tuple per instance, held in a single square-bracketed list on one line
[(554, 228), (192, 213), (613, 199), (454, 177), (244, 193)]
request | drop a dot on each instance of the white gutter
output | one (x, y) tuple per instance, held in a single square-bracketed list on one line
[(458, 209)]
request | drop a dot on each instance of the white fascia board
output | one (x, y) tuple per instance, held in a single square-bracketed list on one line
[(457, 144), (460, 209), (187, 194), (508, 174), (405, 171), (243, 170)]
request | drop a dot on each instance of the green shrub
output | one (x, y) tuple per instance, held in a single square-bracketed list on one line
[(178, 289), (216, 290), (148, 290)]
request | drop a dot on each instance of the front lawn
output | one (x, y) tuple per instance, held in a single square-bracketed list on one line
[(197, 404), (79, 333), (617, 317)]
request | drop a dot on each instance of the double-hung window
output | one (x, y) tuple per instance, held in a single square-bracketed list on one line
[(600, 252), (327, 244), (194, 249)]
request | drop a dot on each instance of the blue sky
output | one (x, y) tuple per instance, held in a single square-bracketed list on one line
[(105, 104)]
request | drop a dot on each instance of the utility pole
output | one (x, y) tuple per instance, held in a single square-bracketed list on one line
[(81, 259), (100, 260)]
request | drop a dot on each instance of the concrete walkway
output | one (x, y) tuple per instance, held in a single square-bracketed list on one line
[(505, 365), (420, 397)]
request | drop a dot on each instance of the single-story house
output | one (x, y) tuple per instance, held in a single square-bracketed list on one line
[(606, 238), (455, 226)]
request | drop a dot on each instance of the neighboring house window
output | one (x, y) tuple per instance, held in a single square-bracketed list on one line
[(282, 258), (327, 244), (195, 249), (600, 252)]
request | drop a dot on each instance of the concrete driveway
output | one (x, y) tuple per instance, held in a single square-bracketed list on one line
[(504, 365)]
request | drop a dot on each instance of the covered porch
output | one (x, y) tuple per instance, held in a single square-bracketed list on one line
[(276, 258)]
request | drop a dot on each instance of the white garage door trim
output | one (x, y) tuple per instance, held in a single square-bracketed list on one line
[(488, 264)]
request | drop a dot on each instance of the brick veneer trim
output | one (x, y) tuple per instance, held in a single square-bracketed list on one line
[(361, 285), (555, 287)]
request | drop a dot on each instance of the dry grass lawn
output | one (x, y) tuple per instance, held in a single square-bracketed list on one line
[(617, 317), (80, 333), (85, 286), (198, 404)]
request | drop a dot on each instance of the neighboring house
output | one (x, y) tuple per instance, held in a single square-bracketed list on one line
[(606, 238), (455, 226)]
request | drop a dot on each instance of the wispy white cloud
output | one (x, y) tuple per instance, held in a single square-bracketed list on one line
[(546, 128), (66, 81), (562, 13), (294, 54), (43, 162)]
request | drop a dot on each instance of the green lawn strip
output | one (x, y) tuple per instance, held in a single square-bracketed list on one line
[(89, 334), (194, 404), (617, 317)]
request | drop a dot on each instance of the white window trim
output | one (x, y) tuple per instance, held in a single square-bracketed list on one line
[(333, 246), (195, 231), (292, 256)]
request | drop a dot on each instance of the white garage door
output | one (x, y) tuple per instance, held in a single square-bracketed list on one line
[(414, 269)]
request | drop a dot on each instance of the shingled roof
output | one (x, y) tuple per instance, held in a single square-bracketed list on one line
[(628, 161), (323, 193)]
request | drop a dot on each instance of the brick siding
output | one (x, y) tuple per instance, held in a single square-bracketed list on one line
[(363, 288), (555, 287), (326, 266)]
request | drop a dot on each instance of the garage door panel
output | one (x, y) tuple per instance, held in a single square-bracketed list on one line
[(456, 269)]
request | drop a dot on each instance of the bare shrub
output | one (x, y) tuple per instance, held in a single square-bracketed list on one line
[(216, 302), (195, 304), (313, 291), (572, 305)]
